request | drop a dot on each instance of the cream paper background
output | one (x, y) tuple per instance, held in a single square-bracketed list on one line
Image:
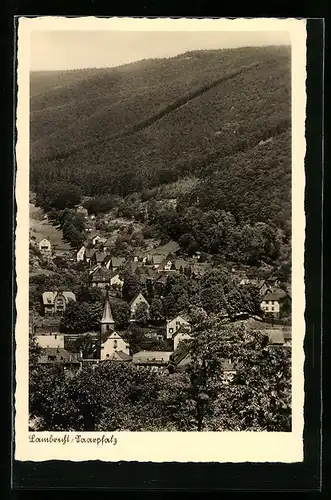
[(164, 446)]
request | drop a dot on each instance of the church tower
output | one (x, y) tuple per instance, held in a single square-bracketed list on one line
[(107, 321)]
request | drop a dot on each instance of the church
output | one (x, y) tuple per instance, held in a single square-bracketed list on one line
[(112, 346)]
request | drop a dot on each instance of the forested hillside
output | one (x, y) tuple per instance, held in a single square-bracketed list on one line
[(221, 116)]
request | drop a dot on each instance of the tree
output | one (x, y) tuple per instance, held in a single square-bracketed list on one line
[(86, 294), (131, 286), (141, 314), (157, 310), (121, 313), (259, 396), (82, 317)]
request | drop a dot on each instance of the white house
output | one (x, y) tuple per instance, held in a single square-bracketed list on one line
[(272, 302), (56, 302), (45, 246), (54, 340), (174, 324), (114, 343), (116, 280), (138, 299), (80, 254), (181, 334)]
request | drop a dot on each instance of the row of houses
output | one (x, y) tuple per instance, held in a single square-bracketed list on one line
[(113, 347)]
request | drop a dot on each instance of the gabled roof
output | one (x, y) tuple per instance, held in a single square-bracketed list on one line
[(49, 297), (44, 240), (61, 356), (136, 296), (278, 295), (183, 316)]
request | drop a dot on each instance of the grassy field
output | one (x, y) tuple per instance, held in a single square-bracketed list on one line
[(40, 228)]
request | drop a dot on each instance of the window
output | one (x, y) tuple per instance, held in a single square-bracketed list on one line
[(171, 330), (266, 308), (51, 358), (272, 308)]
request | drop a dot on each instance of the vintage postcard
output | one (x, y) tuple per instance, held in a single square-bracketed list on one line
[(160, 239)]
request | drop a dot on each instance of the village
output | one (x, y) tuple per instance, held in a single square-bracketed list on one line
[(165, 346)]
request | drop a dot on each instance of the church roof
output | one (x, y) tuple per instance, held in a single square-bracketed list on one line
[(107, 316)]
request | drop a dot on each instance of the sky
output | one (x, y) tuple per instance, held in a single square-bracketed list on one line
[(54, 50)]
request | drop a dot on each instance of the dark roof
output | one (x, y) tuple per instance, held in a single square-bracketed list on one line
[(101, 275), (278, 295), (178, 263), (100, 256), (89, 252), (118, 261), (180, 353), (61, 356), (123, 356), (168, 248)]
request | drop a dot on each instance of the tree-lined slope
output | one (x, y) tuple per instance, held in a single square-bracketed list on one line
[(126, 129)]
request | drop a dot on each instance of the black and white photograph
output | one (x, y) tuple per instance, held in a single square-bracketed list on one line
[(159, 213)]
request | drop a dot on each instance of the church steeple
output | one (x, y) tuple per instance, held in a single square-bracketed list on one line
[(107, 321)]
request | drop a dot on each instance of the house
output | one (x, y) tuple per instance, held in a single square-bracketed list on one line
[(89, 252), (98, 239), (45, 247), (55, 340), (115, 280), (113, 342), (81, 210), (174, 324), (100, 277), (166, 265), (114, 263), (98, 257), (273, 303), (138, 299), (151, 358), (58, 356), (181, 360), (56, 302), (80, 255), (158, 254), (181, 334), (156, 260)]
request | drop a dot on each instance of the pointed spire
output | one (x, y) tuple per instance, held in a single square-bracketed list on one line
[(107, 317)]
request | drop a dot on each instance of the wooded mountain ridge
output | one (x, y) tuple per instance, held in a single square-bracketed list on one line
[(223, 116)]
